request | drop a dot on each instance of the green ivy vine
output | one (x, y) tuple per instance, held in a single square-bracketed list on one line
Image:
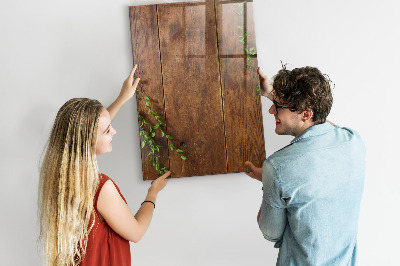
[(148, 132), (250, 52)]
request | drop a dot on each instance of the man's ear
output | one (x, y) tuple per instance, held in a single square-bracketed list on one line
[(306, 115)]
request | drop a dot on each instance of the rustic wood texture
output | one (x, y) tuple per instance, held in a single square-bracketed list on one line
[(146, 54), (242, 104), (194, 68), (192, 88)]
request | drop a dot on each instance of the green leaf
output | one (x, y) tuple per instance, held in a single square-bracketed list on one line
[(169, 137), (258, 88), (147, 98), (172, 147), (148, 104), (150, 128), (156, 126), (151, 111), (162, 133), (148, 154), (183, 157), (140, 117), (160, 117), (153, 134), (178, 150), (143, 143)]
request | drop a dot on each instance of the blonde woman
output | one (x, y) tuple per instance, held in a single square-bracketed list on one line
[(84, 219)]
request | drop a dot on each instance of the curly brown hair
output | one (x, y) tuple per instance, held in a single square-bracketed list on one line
[(304, 88)]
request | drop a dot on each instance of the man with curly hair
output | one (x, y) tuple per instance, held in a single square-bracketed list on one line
[(312, 188)]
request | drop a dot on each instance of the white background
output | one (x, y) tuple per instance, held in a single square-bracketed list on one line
[(51, 51)]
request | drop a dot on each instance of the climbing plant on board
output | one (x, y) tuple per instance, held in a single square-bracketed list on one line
[(250, 51)]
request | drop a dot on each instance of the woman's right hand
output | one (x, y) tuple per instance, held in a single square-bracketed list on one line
[(158, 184), (129, 86)]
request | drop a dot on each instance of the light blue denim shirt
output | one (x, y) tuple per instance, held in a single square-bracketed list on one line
[(311, 197)]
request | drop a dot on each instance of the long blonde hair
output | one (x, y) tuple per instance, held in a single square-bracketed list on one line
[(68, 182)]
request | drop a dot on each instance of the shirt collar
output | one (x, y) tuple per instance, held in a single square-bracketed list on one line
[(314, 131)]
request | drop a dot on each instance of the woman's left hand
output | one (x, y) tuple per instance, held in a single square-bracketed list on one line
[(129, 86)]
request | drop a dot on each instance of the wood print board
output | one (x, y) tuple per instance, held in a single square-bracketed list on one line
[(197, 63)]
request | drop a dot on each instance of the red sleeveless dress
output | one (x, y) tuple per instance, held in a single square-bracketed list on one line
[(105, 247)]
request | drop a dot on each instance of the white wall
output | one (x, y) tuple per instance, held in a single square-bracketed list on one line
[(51, 51)]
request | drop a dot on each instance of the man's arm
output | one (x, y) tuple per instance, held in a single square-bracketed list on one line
[(127, 92), (272, 221), (272, 217)]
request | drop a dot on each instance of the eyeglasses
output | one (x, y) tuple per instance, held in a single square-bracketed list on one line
[(278, 106)]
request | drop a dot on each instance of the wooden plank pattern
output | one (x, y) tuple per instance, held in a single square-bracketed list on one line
[(146, 54), (192, 88), (194, 68), (244, 129)]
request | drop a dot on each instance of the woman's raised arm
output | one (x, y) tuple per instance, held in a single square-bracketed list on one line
[(127, 91)]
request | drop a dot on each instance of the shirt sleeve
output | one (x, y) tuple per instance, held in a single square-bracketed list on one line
[(273, 219)]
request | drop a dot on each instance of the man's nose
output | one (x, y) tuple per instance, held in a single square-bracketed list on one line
[(272, 110)]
